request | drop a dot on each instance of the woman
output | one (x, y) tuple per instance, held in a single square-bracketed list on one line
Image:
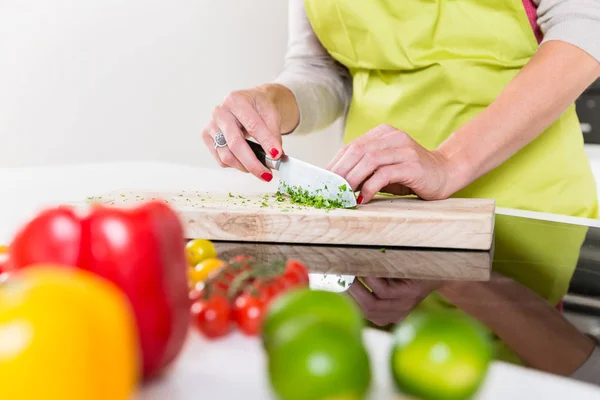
[(441, 98)]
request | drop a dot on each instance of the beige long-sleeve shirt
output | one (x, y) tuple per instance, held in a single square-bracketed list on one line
[(323, 88)]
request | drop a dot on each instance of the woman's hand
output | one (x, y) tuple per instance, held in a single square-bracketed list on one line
[(388, 160), (262, 113), (392, 299)]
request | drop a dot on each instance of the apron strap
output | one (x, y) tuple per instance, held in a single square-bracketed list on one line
[(531, 10)]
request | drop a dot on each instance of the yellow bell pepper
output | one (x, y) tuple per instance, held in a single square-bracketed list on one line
[(65, 334)]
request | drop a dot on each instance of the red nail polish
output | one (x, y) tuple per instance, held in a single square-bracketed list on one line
[(360, 199), (266, 176), (274, 152)]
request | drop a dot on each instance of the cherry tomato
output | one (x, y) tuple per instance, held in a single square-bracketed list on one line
[(198, 250), (297, 269), (248, 313), (276, 287), (204, 270), (212, 316), (292, 279)]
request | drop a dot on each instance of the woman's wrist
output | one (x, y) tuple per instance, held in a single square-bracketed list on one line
[(458, 167), (286, 104)]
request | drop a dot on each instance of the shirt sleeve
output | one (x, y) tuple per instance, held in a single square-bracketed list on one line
[(322, 87), (576, 22), (588, 372)]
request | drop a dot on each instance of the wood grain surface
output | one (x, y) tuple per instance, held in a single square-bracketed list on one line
[(386, 221), (373, 262)]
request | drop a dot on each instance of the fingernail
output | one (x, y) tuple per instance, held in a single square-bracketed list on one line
[(266, 176), (274, 152), (360, 199)]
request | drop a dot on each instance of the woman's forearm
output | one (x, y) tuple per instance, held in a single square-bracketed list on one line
[(530, 326), (552, 80)]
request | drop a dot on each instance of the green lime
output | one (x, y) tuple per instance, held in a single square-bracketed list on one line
[(300, 307), (440, 355), (323, 361)]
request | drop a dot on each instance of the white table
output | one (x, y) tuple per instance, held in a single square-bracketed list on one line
[(234, 367)]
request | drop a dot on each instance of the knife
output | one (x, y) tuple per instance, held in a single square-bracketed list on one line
[(314, 181)]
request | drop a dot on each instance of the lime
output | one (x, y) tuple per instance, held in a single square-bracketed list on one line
[(440, 355), (300, 307), (322, 361)]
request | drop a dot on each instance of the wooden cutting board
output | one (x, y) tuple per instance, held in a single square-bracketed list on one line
[(386, 221), (397, 263)]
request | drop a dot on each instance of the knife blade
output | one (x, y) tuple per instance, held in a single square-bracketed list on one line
[(297, 174)]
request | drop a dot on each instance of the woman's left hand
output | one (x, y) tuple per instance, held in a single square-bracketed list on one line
[(388, 160), (391, 299)]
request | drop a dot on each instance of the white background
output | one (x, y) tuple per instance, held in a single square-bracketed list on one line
[(112, 80), (109, 80)]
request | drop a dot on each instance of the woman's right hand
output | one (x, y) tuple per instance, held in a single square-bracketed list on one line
[(255, 113)]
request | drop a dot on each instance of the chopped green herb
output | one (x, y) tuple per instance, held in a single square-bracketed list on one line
[(122, 195), (343, 187), (383, 250), (230, 195), (303, 197)]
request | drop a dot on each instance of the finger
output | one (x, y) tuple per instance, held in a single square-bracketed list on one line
[(267, 111), (369, 163), (237, 145), (209, 142), (381, 288), (337, 157), (397, 189), (225, 155), (372, 305), (387, 318), (381, 320), (364, 298), (381, 138), (401, 173), (242, 107)]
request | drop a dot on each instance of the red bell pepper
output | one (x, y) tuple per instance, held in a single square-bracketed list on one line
[(141, 250)]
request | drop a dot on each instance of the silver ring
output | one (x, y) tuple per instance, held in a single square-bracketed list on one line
[(220, 140)]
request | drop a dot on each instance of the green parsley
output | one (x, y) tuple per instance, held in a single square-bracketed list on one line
[(303, 197)]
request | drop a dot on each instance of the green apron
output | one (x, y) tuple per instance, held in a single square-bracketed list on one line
[(428, 67)]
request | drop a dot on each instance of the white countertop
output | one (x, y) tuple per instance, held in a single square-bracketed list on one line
[(234, 367)]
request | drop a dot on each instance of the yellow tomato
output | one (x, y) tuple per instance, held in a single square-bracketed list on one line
[(65, 334), (4, 249), (198, 250), (203, 270)]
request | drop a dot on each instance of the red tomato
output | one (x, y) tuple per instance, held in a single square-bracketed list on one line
[(277, 286), (296, 269), (212, 316), (292, 279), (248, 313)]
